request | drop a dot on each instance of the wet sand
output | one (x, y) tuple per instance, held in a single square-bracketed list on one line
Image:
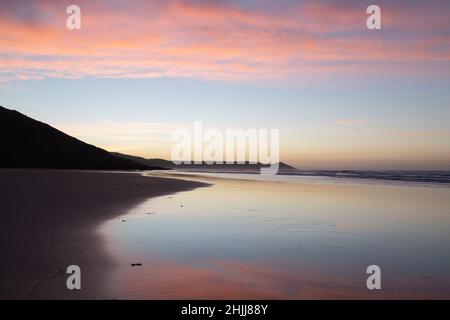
[(49, 221), (283, 237)]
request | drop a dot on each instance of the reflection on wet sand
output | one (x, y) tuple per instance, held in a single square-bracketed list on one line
[(288, 238)]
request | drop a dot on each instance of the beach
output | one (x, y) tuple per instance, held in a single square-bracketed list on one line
[(176, 235), (49, 220)]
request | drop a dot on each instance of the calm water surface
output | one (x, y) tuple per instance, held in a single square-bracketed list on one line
[(255, 237)]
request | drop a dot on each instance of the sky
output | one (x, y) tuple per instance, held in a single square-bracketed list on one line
[(342, 96)]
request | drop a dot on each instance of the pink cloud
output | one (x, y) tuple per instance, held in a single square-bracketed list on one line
[(215, 41)]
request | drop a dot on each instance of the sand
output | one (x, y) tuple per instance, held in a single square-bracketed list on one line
[(49, 220)]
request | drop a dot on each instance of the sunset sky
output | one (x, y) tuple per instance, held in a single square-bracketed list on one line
[(342, 96)]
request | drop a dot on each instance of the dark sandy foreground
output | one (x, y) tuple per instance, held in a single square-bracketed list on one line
[(48, 222)]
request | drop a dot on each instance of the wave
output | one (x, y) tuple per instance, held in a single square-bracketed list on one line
[(441, 177)]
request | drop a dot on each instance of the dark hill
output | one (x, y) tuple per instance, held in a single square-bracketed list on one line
[(27, 143), (148, 162)]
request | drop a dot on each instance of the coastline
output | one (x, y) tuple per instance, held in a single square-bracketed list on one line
[(49, 221)]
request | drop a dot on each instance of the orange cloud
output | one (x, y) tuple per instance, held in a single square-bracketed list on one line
[(429, 133), (216, 41)]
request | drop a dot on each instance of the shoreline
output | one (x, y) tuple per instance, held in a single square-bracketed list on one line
[(50, 220)]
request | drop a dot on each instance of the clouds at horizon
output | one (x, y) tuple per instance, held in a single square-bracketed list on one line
[(291, 42)]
